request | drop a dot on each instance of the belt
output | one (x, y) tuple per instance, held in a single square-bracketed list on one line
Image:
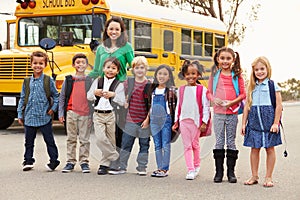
[(103, 111)]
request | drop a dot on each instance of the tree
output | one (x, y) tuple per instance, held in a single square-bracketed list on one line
[(291, 89), (226, 11)]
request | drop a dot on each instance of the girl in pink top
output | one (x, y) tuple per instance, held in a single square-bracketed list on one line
[(226, 90)]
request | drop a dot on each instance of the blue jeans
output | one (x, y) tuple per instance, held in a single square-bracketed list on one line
[(132, 131), (160, 123), (30, 135)]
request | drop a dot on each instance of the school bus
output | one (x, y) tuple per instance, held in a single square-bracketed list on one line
[(66, 27)]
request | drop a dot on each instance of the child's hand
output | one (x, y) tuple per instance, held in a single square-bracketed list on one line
[(203, 127), (175, 126), (61, 119), (21, 122), (274, 128), (98, 92), (145, 123), (108, 94), (50, 112), (243, 130), (218, 101)]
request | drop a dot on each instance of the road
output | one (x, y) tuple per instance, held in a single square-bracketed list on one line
[(40, 184)]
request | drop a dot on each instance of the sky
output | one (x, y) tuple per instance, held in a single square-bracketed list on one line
[(276, 35)]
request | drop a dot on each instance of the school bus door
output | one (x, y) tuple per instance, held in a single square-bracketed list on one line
[(168, 46)]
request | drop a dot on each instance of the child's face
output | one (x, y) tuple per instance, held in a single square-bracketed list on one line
[(110, 70), (225, 60), (191, 75), (38, 64), (139, 71), (260, 72), (114, 30), (162, 76), (80, 65)]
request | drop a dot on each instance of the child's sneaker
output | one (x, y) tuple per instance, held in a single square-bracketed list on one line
[(52, 165), (85, 168), (68, 168), (155, 173), (27, 165), (142, 172), (162, 173), (197, 170), (190, 175), (116, 171)]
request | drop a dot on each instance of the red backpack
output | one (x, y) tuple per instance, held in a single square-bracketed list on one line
[(199, 101)]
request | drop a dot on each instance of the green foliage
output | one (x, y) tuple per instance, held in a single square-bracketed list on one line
[(290, 89)]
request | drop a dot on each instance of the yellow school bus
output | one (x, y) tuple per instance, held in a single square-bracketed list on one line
[(66, 27)]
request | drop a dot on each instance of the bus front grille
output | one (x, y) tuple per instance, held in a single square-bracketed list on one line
[(15, 67)]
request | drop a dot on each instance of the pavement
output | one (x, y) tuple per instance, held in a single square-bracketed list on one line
[(40, 184)]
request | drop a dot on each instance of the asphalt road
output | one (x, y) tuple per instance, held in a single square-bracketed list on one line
[(40, 184)]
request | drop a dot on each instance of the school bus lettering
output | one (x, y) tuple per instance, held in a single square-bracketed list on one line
[(58, 3)]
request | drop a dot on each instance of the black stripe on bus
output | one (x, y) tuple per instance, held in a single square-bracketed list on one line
[(147, 55)]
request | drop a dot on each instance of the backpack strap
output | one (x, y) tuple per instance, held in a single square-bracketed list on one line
[(130, 87), (46, 84), (27, 90), (112, 88), (272, 93)]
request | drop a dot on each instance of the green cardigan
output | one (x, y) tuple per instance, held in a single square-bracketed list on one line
[(124, 54)]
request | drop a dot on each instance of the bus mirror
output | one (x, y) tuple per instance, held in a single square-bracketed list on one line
[(47, 43), (96, 27), (94, 44), (0, 47)]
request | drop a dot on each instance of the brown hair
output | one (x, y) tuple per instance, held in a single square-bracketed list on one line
[(39, 54), (113, 60), (79, 55), (122, 40)]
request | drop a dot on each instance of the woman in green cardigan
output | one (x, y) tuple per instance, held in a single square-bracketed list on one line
[(115, 44)]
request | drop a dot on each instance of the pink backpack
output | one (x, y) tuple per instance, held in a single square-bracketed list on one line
[(199, 101)]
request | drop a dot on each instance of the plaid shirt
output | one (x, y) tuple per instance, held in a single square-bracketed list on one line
[(38, 104)]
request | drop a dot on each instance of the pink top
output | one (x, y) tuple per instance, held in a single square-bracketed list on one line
[(225, 91)]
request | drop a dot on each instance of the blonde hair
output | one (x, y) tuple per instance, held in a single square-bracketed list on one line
[(252, 82), (139, 60)]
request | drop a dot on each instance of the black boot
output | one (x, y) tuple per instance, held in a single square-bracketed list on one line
[(232, 156), (219, 155)]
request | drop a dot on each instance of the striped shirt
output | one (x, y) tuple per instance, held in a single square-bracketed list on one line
[(38, 104), (137, 110)]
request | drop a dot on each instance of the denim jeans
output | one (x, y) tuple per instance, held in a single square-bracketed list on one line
[(30, 135), (132, 131), (160, 123)]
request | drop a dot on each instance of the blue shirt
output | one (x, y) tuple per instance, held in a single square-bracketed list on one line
[(261, 93), (38, 104)]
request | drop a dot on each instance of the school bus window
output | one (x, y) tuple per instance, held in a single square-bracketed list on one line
[(142, 36), (219, 41), (198, 43), (168, 41), (127, 23), (186, 41), (208, 44), (33, 29)]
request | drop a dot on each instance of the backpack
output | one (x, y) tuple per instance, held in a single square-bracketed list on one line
[(235, 81), (46, 84), (69, 87), (273, 102), (199, 91), (146, 90), (120, 111)]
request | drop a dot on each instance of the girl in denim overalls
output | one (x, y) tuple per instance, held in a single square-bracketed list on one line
[(161, 112)]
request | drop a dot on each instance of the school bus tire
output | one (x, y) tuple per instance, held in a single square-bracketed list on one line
[(5, 120)]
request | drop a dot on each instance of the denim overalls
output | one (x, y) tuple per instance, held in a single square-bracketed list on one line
[(160, 124)]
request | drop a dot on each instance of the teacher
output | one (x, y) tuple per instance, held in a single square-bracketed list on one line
[(115, 44)]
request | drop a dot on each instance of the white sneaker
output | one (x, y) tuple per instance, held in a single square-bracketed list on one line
[(190, 175), (197, 170)]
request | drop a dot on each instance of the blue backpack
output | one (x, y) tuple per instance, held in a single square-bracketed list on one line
[(235, 81)]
